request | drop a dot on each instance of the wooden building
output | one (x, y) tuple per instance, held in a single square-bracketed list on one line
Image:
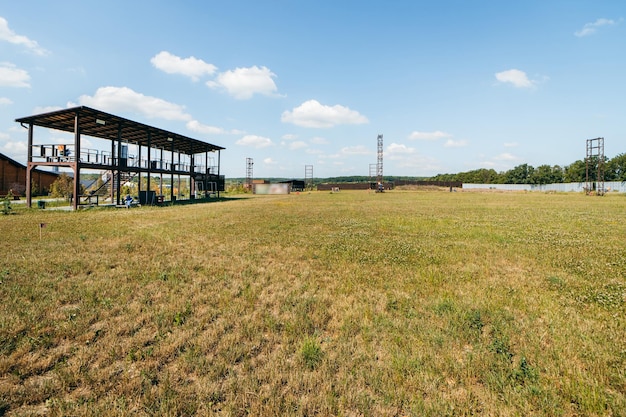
[(13, 178)]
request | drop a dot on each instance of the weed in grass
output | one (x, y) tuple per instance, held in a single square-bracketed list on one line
[(311, 352)]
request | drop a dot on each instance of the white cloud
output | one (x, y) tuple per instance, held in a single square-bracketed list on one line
[(289, 136), (313, 114), (11, 76), (407, 157), (6, 34), (516, 77), (590, 28), (49, 109), (506, 157), (436, 135), (124, 99), (254, 141), (510, 144), (319, 141), (398, 151), (455, 143), (196, 126), (243, 83), (14, 149), (297, 145), (5, 101), (356, 150), (269, 161), (191, 67)]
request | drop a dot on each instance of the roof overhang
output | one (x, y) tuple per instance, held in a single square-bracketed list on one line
[(103, 125)]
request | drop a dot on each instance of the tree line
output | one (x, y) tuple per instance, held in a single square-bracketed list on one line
[(614, 170)]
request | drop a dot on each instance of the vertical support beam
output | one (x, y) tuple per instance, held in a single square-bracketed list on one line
[(76, 163), (219, 161), (178, 177), (29, 167), (192, 181), (149, 164), (172, 175), (117, 161), (161, 173), (138, 168)]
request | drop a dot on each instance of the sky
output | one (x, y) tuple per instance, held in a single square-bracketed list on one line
[(451, 85)]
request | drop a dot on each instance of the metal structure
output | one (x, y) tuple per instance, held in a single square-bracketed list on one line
[(160, 152), (373, 171), (379, 164), (308, 176), (249, 176), (595, 155)]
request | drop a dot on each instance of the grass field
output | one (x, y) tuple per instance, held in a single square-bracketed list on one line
[(406, 303)]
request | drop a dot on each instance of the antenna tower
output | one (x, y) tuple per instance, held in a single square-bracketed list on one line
[(379, 164), (308, 176), (249, 164), (595, 155)]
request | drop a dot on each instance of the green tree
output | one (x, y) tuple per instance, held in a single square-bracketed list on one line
[(521, 174), (575, 172), (545, 174), (616, 168), (63, 186)]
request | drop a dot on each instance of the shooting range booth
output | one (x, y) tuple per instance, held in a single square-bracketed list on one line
[(158, 153)]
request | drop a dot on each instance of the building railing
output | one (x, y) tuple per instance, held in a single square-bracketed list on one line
[(65, 153)]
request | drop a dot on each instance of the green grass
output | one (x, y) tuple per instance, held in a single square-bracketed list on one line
[(353, 303)]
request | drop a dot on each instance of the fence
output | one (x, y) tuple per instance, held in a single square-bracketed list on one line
[(579, 187)]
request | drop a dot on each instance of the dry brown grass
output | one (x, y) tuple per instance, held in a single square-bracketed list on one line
[(355, 303)]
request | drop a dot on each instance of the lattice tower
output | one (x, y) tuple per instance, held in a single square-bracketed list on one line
[(379, 164), (308, 176), (249, 165), (595, 155)]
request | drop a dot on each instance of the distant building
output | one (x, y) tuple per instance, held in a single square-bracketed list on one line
[(13, 177)]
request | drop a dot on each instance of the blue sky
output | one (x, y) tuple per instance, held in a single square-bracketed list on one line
[(452, 85)]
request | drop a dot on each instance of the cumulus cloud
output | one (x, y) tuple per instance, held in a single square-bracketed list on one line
[(398, 151), (196, 126), (314, 114), (254, 141), (319, 141), (436, 135), (356, 150), (5, 101), (243, 83), (506, 157), (50, 109), (269, 161), (297, 145), (191, 67), (518, 78), (124, 99), (7, 35), (455, 143), (14, 149), (591, 28), (11, 76), (407, 157)]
